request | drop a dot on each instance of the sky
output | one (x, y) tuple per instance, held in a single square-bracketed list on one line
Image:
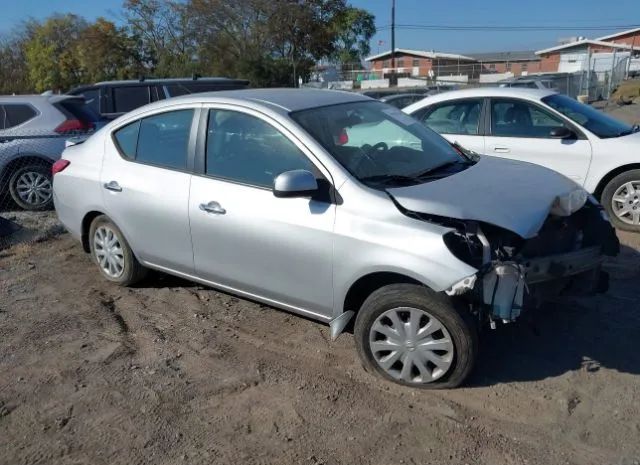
[(581, 14)]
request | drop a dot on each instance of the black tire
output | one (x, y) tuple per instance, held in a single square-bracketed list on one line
[(458, 323), (132, 271), (35, 169), (607, 198)]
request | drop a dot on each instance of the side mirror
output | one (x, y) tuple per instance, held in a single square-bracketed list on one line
[(562, 133), (295, 183)]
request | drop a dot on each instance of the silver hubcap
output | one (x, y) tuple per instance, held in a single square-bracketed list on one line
[(411, 345), (626, 203), (34, 188), (108, 251)]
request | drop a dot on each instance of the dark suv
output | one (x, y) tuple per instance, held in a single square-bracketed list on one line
[(111, 99)]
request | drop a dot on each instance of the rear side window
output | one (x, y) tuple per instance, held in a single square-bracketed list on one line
[(160, 140), (127, 139), (16, 114), (459, 117), (130, 97)]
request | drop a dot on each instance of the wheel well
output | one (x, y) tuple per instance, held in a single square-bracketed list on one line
[(366, 285), (605, 180), (86, 224), (17, 163)]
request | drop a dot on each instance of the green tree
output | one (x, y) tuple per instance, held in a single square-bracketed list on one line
[(51, 53), (354, 29)]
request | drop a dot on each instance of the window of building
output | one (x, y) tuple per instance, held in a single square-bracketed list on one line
[(385, 63), (508, 66), (400, 63), (416, 62), (248, 150), (525, 66), (492, 66)]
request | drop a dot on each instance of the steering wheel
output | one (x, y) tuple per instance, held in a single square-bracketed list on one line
[(366, 153)]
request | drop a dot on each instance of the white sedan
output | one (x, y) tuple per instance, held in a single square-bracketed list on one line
[(597, 151)]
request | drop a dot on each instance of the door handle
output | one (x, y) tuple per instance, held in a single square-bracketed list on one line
[(112, 186), (213, 207), (501, 149)]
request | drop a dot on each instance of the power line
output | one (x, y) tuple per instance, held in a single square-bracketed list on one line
[(436, 27)]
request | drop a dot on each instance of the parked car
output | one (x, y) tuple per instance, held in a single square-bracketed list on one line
[(33, 129), (534, 83), (593, 149), (402, 100), (111, 99), (337, 207)]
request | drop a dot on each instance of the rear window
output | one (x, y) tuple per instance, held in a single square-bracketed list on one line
[(78, 109), (17, 114)]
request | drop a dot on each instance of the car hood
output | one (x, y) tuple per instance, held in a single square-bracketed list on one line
[(514, 195)]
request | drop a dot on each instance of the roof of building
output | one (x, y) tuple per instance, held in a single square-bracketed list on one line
[(421, 53), (583, 42), (524, 55), (618, 34)]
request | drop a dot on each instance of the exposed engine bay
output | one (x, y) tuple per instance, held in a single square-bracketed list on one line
[(514, 273)]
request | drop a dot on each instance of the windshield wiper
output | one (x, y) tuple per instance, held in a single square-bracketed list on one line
[(389, 179), (435, 169)]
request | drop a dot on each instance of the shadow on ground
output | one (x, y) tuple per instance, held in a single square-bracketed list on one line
[(578, 334)]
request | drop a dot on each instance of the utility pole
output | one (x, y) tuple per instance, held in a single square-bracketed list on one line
[(393, 43)]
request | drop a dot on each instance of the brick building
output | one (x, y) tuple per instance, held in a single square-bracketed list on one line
[(518, 63), (420, 63)]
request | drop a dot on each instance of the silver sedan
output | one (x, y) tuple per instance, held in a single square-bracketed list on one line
[(337, 207)]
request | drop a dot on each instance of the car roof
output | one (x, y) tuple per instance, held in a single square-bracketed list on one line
[(279, 100), (514, 92), (36, 98)]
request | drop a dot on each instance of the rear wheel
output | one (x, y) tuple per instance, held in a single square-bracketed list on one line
[(621, 199), (30, 187), (112, 253), (410, 335)]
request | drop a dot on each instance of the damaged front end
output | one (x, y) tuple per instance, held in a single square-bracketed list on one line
[(563, 258)]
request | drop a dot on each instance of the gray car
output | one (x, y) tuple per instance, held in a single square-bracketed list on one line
[(336, 207), (33, 129)]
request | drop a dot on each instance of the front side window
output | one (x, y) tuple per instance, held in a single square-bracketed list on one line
[(601, 124), (517, 118), (17, 114), (130, 97), (378, 144), (160, 140), (460, 117), (248, 150)]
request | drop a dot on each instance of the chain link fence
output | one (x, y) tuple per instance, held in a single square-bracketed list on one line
[(26, 201)]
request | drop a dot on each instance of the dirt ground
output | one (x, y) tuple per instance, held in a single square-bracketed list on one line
[(172, 372)]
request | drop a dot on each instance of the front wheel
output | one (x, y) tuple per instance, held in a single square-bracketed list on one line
[(410, 335), (112, 253), (621, 199)]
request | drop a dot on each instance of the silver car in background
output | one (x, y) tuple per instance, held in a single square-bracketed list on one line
[(33, 130), (337, 207)]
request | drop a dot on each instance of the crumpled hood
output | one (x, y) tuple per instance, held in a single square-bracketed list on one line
[(514, 195)]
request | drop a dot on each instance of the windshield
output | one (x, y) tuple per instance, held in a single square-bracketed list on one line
[(602, 125), (378, 143)]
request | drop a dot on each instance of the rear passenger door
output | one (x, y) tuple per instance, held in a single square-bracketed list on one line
[(146, 179), (457, 121)]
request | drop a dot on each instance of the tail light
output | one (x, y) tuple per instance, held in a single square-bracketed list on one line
[(59, 165), (74, 125)]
